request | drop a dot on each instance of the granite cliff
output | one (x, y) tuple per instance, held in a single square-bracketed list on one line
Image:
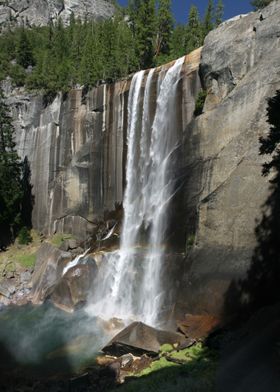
[(77, 152), (41, 12)]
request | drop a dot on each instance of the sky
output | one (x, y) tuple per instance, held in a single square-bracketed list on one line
[(181, 8)]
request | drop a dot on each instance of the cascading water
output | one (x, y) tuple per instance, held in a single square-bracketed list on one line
[(129, 284)]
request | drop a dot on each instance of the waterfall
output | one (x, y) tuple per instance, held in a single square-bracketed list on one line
[(130, 279)]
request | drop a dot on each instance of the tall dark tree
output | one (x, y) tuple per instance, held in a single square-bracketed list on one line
[(146, 33), (165, 24), (27, 197), (24, 55), (219, 13), (194, 30), (10, 177), (208, 18)]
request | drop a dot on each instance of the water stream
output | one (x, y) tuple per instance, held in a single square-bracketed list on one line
[(130, 279)]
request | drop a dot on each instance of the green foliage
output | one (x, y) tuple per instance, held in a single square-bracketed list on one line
[(10, 176), (145, 33), (196, 373), (208, 18), (165, 26), (219, 12), (15, 190), (257, 4), (58, 239), (57, 57), (194, 31), (24, 236), (199, 103), (190, 242), (24, 55), (27, 260)]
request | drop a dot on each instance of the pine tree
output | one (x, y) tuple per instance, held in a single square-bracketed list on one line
[(219, 12), (194, 33), (165, 24), (10, 177), (145, 33), (24, 55), (208, 18)]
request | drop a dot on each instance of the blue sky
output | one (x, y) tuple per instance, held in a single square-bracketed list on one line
[(181, 7)]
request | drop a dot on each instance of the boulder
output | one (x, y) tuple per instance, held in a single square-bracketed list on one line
[(49, 265), (139, 338), (198, 326), (73, 288), (7, 287)]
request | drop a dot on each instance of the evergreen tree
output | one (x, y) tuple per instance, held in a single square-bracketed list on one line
[(145, 33), (257, 4), (24, 55), (178, 42), (208, 18), (194, 33), (219, 12), (10, 177), (165, 27)]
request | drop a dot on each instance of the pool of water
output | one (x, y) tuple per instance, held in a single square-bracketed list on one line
[(45, 341)]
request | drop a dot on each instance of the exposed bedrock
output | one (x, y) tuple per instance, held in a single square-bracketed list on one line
[(75, 147), (41, 12), (225, 190)]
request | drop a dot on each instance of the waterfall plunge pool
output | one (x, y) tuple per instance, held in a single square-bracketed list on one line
[(43, 341)]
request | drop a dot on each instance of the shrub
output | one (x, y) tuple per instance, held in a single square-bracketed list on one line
[(24, 236), (199, 103)]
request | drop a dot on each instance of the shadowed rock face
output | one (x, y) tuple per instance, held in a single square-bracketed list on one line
[(225, 189), (40, 12)]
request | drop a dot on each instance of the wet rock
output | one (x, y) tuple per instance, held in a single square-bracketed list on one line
[(72, 244), (69, 244), (76, 252), (105, 360), (198, 326), (7, 288), (74, 287), (9, 270), (139, 338), (25, 277), (114, 324), (49, 265)]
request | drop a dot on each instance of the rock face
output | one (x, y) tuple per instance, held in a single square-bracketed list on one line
[(75, 147), (225, 190), (73, 288), (49, 266), (41, 12)]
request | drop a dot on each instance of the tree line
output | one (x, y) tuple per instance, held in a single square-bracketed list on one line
[(57, 57), (16, 200)]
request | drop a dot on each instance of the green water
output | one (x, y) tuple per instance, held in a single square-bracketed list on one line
[(48, 342)]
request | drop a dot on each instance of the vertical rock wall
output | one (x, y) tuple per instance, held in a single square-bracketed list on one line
[(225, 190), (76, 147)]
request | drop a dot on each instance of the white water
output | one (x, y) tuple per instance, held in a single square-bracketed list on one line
[(130, 279), (74, 262)]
